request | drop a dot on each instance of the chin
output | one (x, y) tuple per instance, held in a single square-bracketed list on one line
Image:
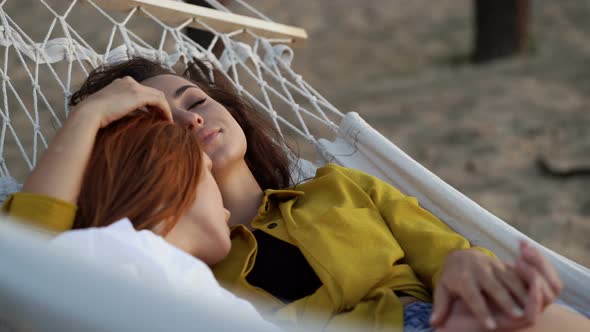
[(226, 155), (221, 253), (227, 248)]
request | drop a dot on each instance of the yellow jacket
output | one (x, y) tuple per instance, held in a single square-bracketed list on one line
[(362, 237)]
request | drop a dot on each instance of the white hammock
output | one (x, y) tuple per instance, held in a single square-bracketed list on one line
[(257, 62)]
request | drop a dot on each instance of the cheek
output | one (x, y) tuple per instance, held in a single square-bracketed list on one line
[(243, 143), (239, 136), (236, 145), (235, 126)]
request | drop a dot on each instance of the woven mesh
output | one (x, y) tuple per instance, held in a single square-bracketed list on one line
[(47, 48)]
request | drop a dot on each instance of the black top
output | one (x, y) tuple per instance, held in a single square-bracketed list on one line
[(281, 269)]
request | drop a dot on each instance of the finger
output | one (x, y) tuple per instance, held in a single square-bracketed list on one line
[(441, 307), (471, 294), (533, 280), (507, 323), (128, 96), (167, 115), (164, 106), (511, 280), (535, 258), (535, 302), (525, 271), (500, 295), (155, 100), (141, 95), (153, 103), (548, 295)]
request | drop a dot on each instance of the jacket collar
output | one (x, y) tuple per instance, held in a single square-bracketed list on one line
[(271, 200)]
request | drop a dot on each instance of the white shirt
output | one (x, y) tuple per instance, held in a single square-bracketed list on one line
[(148, 258)]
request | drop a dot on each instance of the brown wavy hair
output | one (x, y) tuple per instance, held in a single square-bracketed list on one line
[(143, 167), (265, 155)]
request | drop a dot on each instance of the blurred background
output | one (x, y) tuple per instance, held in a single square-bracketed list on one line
[(492, 96), (489, 95)]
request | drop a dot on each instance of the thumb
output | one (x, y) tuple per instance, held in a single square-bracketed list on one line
[(441, 307)]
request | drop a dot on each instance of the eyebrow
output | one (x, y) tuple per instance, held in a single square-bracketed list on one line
[(182, 89)]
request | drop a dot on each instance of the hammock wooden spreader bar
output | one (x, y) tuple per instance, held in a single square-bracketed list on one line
[(175, 13), (258, 66)]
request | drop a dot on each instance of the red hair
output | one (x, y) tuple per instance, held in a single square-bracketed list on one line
[(265, 154), (142, 167)]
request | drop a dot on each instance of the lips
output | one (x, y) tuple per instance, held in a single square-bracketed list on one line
[(207, 135)]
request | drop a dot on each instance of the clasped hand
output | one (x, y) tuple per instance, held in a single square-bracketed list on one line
[(497, 294)]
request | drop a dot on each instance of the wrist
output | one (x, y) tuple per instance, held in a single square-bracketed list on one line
[(79, 117)]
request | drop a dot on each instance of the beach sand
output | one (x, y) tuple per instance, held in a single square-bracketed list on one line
[(403, 66)]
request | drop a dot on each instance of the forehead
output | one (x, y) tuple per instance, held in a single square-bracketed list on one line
[(167, 83)]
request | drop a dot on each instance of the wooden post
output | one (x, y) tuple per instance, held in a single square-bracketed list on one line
[(501, 28), (202, 37)]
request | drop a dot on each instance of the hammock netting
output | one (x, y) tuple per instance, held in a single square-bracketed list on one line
[(49, 47)]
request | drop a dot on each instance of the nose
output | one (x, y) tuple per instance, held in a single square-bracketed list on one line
[(189, 119)]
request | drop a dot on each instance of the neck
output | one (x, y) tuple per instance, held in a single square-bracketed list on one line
[(241, 193)]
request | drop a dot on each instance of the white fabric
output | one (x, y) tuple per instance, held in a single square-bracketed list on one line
[(280, 92), (360, 146), (8, 186), (150, 260), (48, 286)]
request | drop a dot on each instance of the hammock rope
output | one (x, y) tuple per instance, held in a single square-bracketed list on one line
[(263, 66), (258, 66)]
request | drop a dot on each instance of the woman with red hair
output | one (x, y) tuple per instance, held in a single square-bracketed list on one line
[(344, 247), (119, 155), (124, 166)]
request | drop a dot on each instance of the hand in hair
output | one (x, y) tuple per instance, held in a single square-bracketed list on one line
[(121, 97), (60, 170)]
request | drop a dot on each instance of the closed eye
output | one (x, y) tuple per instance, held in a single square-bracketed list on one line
[(196, 103)]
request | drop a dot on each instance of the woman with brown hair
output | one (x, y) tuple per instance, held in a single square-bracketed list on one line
[(343, 248)]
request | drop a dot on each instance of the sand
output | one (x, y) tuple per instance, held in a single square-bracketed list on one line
[(403, 66)]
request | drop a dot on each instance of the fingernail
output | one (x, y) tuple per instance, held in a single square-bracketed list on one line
[(490, 324), (517, 312), (432, 318)]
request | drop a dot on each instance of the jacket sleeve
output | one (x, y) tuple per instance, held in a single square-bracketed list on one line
[(425, 240), (45, 211)]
